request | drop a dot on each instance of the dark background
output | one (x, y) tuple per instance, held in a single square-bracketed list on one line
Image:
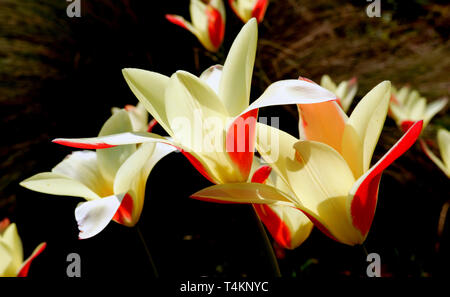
[(59, 77)]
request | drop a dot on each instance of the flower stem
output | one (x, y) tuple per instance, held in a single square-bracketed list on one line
[(147, 251), (268, 245)]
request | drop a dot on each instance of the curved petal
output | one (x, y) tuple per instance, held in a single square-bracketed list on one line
[(367, 119), (149, 87), (111, 140), (433, 108), (287, 225), (291, 91), (11, 238), (320, 192), (234, 89), (328, 83), (23, 271), (58, 184), (109, 160), (240, 142), (212, 76), (443, 138), (93, 216), (6, 260), (132, 176), (362, 199), (434, 158), (243, 193)]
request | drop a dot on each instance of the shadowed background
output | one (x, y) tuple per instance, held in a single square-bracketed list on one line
[(60, 76)]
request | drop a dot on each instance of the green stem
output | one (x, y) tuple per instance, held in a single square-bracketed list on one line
[(147, 251), (268, 245)]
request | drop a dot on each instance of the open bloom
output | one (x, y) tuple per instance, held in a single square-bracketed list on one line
[(408, 106), (11, 252), (209, 118), (247, 9), (112, 180), (443, 140), (328, 174), (208, 22), (345, 90)]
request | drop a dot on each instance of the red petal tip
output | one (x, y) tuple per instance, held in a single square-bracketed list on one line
[(83, 145)]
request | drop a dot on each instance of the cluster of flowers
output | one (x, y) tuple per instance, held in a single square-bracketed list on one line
[(323, 179)]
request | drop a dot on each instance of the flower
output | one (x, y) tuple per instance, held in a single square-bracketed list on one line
[(208, 22), (112, 180), (345, 91), (328, 174), (11, 251), (247, 9), (408, 106), (209, 118), (138, 116), (443, 140)]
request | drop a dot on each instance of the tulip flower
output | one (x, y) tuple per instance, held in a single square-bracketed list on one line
[(209, 118), (328, 174), (11, 252), (138, 116), (112, 180), (408, 106), (288, 226), (345, 91), (443, 140), (208, 22), (247, 9)]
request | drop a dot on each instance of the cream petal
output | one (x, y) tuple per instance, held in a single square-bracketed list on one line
[(7, 268), (291, 91), (58, 184), (149, 87), (132, 176), (243, 193), (433, 108), (110, 159), (235, 83), (443, 138), (367, 119), (11, 238)]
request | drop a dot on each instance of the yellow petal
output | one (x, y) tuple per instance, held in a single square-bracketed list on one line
[(328, 83), (443, 138), (234, 89), (149, 87), (321, 179), (243, 193), (367, 119), (435, 158), (132, 176), (433, 108), (7, 269), (58, 184), (110, 159), (12, 239)]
